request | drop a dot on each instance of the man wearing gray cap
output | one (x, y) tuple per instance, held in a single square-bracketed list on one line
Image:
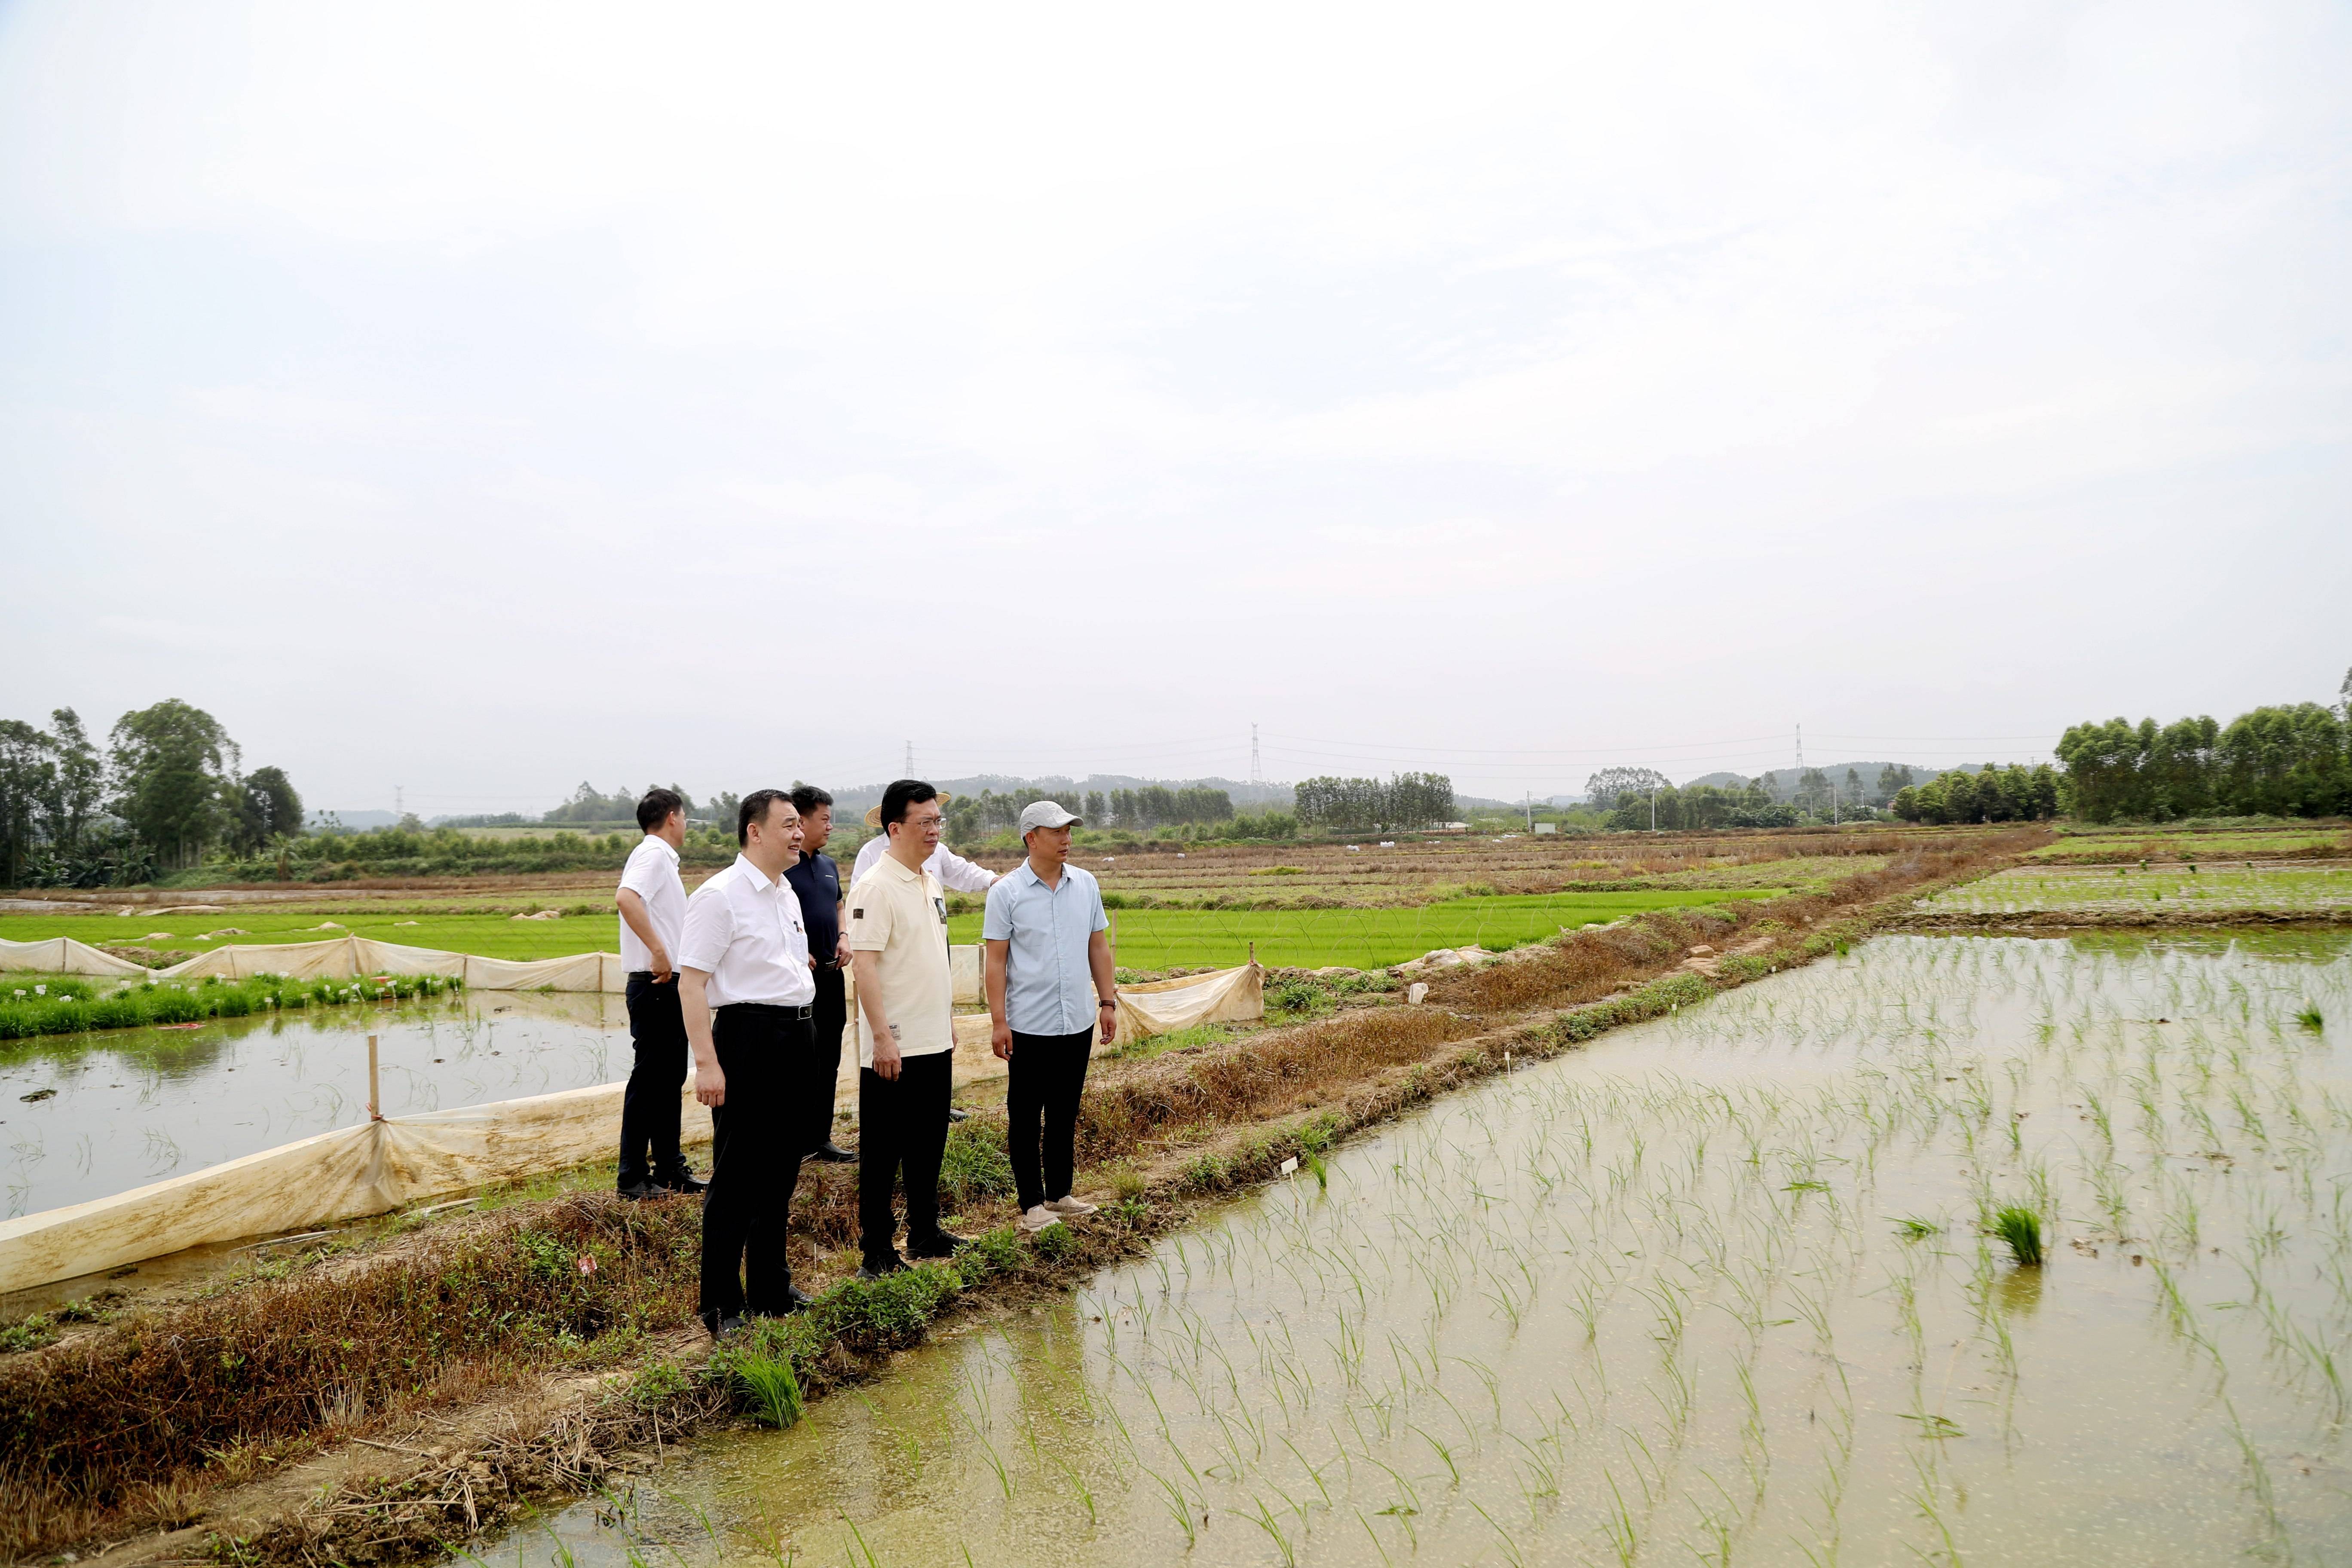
[(1050, 985)]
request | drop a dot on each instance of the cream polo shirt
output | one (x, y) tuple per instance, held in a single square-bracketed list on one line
[(901, 916), (745, 932)]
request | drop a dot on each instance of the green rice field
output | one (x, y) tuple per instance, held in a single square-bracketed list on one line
[(1368, 939), (2154, 842), (2212, 892), (1148, 938), (490, 935)]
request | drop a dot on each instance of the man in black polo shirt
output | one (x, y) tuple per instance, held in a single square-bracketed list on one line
[(817, 882)]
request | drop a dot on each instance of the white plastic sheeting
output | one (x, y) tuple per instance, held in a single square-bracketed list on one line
[(345, 957), (1162, 1006), (369, 1169)]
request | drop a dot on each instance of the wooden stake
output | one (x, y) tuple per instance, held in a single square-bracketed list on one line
[(375, 1097)]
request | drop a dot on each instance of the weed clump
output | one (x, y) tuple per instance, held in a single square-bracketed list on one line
[(2020, 1229), (976, 1164)]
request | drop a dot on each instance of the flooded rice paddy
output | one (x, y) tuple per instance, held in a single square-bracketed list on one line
[(2212, 892), (84, 1116), (1717, 1289)]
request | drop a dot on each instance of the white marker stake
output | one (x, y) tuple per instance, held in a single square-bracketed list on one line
[(1291, 1166)]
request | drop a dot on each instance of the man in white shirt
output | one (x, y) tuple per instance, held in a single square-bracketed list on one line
[(652, 901), (906, 1032), (746, 990), (951, 870)]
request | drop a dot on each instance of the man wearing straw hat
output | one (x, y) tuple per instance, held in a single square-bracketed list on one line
[(1050, 985)]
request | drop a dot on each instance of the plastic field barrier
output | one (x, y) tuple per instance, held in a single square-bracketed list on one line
[(1163, 1007), (347, 957), (379, 1166)]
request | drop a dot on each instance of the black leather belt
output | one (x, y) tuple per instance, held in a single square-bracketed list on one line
[(803, 1010)]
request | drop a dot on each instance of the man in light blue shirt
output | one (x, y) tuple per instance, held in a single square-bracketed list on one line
[(1050, 986)]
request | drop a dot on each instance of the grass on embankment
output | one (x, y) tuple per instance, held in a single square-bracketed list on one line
[(136, 1424)]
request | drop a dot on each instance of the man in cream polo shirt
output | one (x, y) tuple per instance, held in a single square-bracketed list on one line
[(906, 1032), (746, 990)]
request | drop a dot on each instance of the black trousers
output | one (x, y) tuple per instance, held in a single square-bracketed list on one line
[(901, 1123), (825, 1054), (1049, 1073), (649, 1105), (755, 1158)]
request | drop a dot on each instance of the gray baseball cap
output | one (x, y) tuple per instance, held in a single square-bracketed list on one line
[(1046, 813)]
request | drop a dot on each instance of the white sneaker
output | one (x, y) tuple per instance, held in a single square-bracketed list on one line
[(1036, 1219), (1071, 1205)]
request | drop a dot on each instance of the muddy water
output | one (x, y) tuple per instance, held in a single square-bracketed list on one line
[(1657, 1302), (130, 1106)]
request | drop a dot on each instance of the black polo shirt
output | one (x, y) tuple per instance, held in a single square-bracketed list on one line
[(816, 882)]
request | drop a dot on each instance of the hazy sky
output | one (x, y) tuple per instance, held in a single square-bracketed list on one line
[(475, 398)]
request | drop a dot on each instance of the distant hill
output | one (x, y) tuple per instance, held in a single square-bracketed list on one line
[(1784, 780)]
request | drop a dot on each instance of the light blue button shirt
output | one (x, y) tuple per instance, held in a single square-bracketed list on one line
[(1048, 989)]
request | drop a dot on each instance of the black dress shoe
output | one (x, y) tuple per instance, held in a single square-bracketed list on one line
[(831, 1154), (680, 1181), (957, 1113), (795, 1300), (894, 1264), (637, 1192), (943, 1244), (721, 1324)]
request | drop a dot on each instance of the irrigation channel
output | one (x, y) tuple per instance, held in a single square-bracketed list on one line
[(1718, 1286), (83, 1116)]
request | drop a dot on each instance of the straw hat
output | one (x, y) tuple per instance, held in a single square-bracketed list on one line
[(874, 812)]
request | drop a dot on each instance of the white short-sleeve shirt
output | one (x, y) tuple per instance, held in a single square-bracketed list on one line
[(947, 867), (651, 875), (745, 932)]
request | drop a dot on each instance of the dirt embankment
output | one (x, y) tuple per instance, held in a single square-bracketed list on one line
[(377, 1407)]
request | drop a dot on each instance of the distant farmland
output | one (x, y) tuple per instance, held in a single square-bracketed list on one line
[(1368, 939)]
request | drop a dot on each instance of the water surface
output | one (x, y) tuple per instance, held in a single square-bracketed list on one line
[(126, 1107)]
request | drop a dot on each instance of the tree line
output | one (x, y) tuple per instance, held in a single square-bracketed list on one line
[(2013, 794), (2294, 761), (169, 787), (1401, 803), (1155, 806)]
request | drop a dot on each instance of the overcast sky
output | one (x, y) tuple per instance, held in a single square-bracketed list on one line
[(476, 398)]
